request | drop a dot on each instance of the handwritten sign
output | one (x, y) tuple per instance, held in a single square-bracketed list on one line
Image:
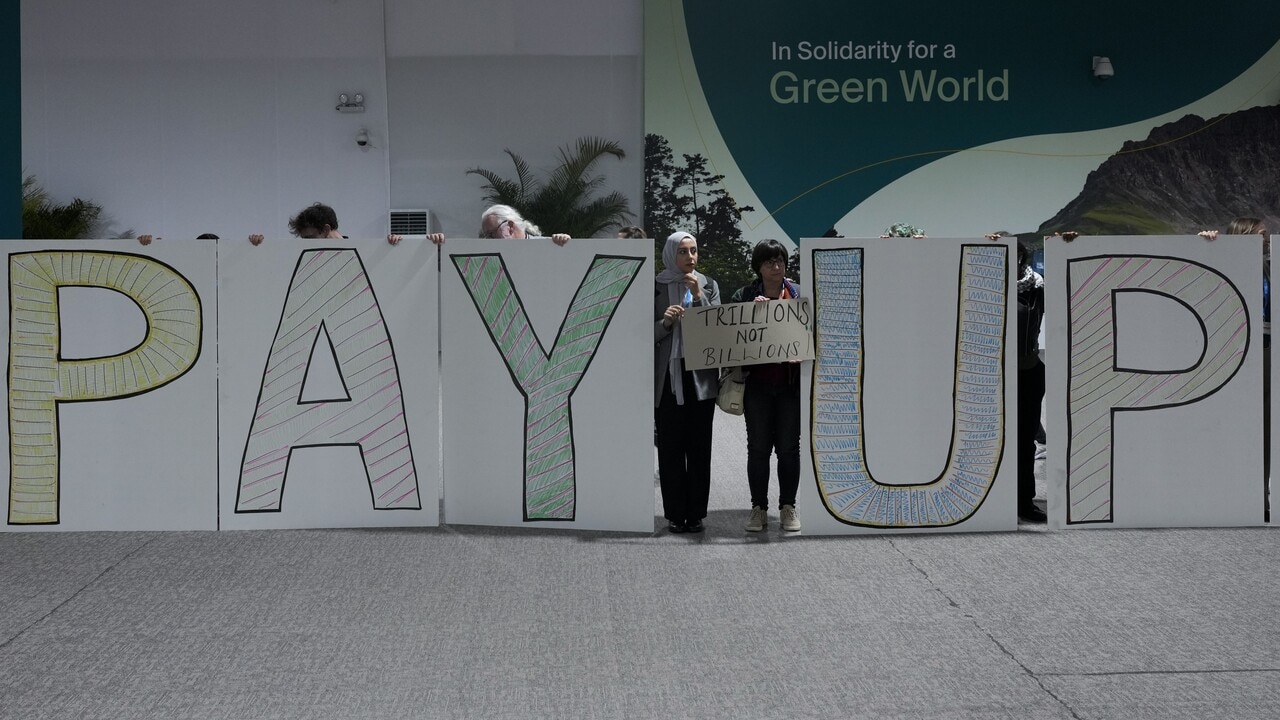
[(751, 333)]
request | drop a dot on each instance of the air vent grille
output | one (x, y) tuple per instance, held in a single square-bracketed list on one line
[(410, 222)]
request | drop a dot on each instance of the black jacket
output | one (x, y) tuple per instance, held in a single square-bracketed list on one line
[(1030, 313)]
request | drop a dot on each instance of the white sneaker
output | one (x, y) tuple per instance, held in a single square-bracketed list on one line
[(758, 519), (790, 520)]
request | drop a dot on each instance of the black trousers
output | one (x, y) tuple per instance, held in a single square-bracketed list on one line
[(1030, 397), (684, 453), (773, 425)]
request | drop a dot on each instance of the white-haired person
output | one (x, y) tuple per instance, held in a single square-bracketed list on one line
[(500, 221), (685, 399)]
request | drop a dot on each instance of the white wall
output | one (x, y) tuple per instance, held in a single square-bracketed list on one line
[(470, 79), (182, 117), (532, 105)]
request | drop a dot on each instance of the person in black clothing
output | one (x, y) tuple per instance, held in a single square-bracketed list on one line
[(1030, 381)]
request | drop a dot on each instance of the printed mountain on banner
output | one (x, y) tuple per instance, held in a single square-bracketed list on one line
[(1187, 176)]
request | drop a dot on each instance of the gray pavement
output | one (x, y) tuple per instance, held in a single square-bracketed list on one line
[(470, 622)]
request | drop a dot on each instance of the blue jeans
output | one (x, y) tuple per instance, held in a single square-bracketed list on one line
[(772, 413)]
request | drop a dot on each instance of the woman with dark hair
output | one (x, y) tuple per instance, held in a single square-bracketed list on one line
[(685, 399), (771, 402)]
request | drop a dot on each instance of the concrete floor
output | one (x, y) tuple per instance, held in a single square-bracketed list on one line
[(471, 622)]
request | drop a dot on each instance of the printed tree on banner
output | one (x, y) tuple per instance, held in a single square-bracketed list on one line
[(688, 197), (662, 207)]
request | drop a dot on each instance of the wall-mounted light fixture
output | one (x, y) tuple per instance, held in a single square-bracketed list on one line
[(1102, 67), (362, 139), (353, 103)]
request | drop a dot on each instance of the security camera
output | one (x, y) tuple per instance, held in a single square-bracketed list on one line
[(362, 138), (1102, 67)]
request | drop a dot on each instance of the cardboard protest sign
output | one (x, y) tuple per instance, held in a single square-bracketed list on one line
[(909, 429), (548, 392), (111, 386), (1154, 381), (329, 385), (750, 333)]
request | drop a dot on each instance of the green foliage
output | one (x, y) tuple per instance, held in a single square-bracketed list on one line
[(664, 208), (564, 202), (688, 197), (1122, 220), (44, 219)]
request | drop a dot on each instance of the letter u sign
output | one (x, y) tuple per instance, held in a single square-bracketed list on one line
[(838, 440)]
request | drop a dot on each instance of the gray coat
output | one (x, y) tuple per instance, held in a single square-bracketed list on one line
[(707, 382)]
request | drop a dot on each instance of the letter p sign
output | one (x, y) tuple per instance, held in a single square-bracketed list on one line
[(1099, 385), (39, 379)]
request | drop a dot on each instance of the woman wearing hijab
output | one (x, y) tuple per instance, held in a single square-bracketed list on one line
[(685, 400)]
